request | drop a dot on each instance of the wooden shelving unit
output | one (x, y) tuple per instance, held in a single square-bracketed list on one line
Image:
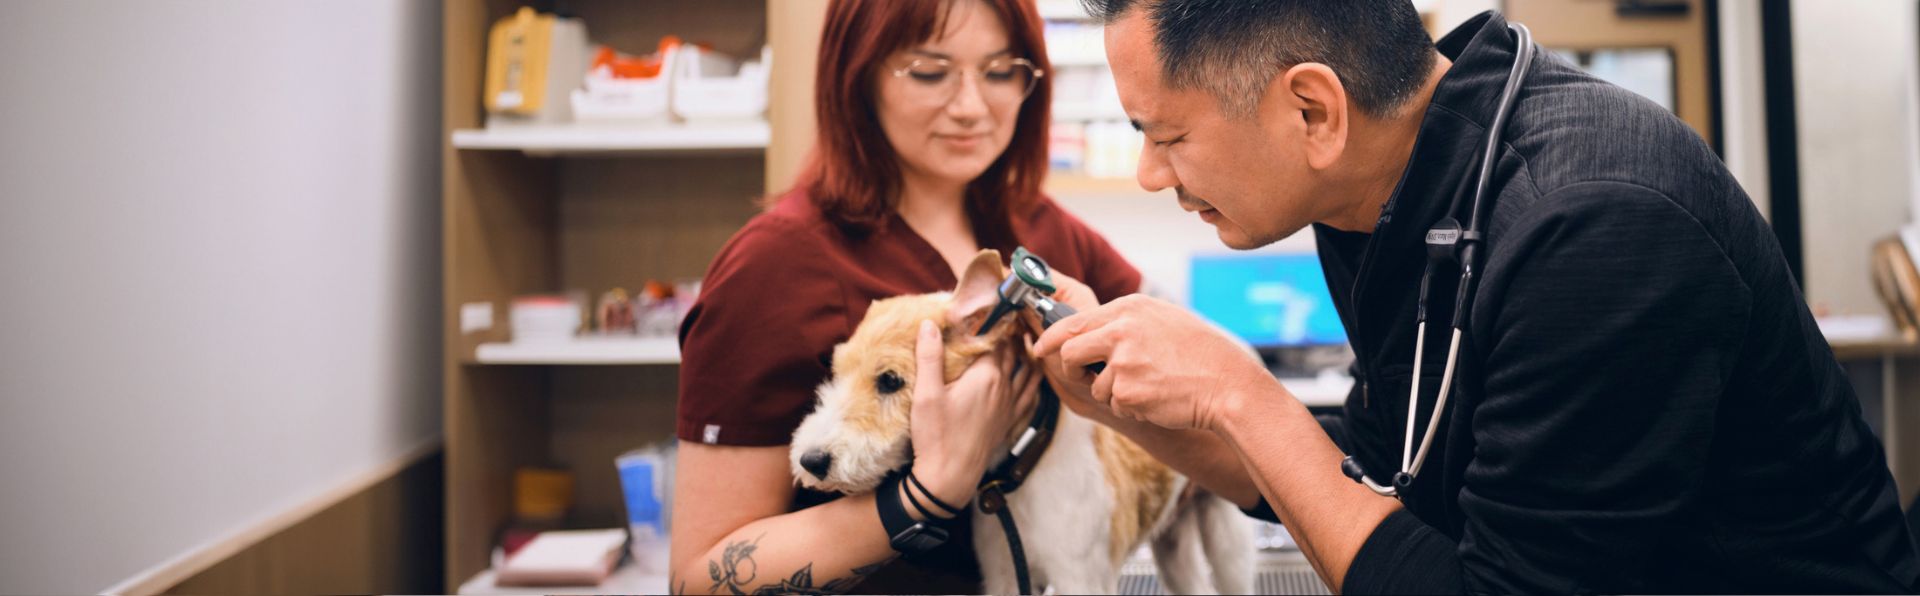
[(535, 211), (544, 210)]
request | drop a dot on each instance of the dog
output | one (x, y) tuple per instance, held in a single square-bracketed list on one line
[(1089, 503)]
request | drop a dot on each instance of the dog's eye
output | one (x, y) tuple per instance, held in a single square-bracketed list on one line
[(888, 382)]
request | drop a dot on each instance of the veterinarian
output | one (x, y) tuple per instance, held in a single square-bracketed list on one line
[(1641, 400), (932, 120)]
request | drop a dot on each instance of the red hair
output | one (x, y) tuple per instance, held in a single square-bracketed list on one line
[(853, 174)]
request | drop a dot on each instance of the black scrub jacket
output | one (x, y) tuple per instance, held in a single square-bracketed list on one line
[(1645, 402)]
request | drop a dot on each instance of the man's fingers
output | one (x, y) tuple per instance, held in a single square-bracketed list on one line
[(1071, 291), (1051, 339), (1103, 387), (1065, 379), (1059, 370), (1090, 347), (1080, 323)]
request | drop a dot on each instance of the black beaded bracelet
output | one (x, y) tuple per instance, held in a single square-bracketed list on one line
[(915, 501), (951, 510)]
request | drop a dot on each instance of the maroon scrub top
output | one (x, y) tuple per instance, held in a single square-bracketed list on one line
[(790, 285)]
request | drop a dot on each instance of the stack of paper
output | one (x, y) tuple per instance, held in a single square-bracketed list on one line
[(564, 558)]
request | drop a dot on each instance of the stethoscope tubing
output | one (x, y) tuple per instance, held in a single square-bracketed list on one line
[(1411, 459)]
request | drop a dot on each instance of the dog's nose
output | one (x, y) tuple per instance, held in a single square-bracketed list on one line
[(817, 462)]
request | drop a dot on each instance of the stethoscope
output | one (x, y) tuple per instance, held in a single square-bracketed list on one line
[(1448, 243)]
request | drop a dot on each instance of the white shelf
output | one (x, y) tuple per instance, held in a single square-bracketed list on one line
[(565, 139), (628, 579), (583, 350), (1086, 112), (1062, 10), (1062, 58)]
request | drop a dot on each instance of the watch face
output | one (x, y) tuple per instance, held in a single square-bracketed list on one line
[(920, 538)]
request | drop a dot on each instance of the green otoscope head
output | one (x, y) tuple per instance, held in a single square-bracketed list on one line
[(1032, 271)]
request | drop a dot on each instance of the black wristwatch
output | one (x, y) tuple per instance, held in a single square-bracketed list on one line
[(905, 534)]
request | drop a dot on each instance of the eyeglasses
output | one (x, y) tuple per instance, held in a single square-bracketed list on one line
[(1002, 82)]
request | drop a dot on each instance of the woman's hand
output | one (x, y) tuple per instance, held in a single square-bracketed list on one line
[(957, 428)]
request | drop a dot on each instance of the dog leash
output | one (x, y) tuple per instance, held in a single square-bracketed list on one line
[(1031, 286), (1012, 472)]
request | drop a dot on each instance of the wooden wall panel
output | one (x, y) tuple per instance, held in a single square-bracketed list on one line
[(385, 539)]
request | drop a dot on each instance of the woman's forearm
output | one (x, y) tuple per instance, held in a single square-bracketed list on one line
[(826, 548)]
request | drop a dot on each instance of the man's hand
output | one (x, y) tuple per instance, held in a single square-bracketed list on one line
[(1202, 456), (1073, 384), (1164, 365)]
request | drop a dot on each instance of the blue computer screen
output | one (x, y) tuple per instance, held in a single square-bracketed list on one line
[(1269, 300)]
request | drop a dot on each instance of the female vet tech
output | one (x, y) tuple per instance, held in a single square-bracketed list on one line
[(932, 121)]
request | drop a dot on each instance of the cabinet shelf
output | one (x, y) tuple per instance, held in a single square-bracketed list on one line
[(740, 137), (540, 208), (582, 351)]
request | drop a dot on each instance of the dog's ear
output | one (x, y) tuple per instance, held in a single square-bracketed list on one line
[(978, 291)]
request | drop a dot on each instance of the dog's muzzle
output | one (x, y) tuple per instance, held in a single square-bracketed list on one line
[(817, 462)]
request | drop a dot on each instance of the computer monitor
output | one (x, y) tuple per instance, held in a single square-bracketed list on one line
[(1269, 300)]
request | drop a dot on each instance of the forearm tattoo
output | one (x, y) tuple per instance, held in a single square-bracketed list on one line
[(736, 571)]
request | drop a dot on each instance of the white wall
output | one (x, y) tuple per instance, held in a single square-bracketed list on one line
[(219, 240), (1448, 14), (1743, 100), (1854, 80), (1158, 238)]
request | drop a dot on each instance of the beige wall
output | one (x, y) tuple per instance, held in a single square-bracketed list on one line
[(1854, 84), (1743, 101), (793, 29)]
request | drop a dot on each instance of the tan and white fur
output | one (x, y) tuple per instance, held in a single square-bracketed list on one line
[(1091, 501)]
